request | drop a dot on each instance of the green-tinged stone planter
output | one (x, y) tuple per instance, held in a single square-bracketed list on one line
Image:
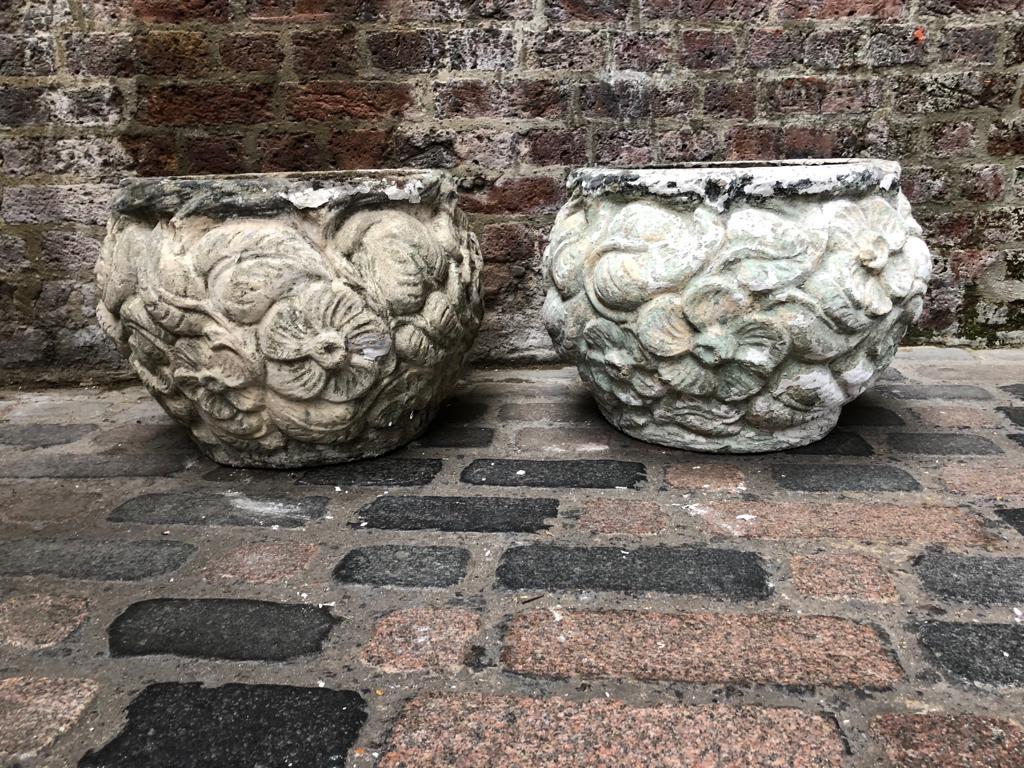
[(733, 307), (293, 319)]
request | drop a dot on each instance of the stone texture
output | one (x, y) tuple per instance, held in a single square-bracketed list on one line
[(972, 579), (842, 577), (35, 711), (456, 437), (308, 370), (935, 392), (220, 509), (956, 416), (269, 563), (676, 570), (868, 522), (105, 560), (949, 741), (1013, 517), (43, 435), (384, 471), (843, 477), (861, 414), (699, 648), (598, 473), (452, 513), (442, 730), (220, 629), (940, 444), (984, 479), (990, 654), (694, 342), (705, 478), (631, 518), (418, 639), (71, 465), (403, 566), (32, 622), (234, 725)]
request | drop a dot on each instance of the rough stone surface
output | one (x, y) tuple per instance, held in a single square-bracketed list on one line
[(280, 349), (837, 576), (42, 435), (936, 392), (990, 654), (220, 629), (1013, 517), (687, 332), (991, 478), (844, 477), (220, 509), (106, 560), (972, 579), (234, 725), (270, 563), (442, 730), (633, 518), (64, 465), (699, 647), (705, 478), (403, 566), (597, 473), (943, 444), (949, 741), (36, 621), (452, 513), (677, 570), (417, 639), (35, 711), (385, 471), (836, 443), (860, 414)]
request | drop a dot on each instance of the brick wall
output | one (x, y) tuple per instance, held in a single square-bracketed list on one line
[(508, 93)]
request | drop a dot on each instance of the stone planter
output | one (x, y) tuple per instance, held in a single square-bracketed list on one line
[(733, 307), (293, 319)]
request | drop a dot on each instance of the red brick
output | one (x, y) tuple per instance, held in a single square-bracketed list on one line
[(426, 50), (895, 46), (753, 142), (515, 194), (706, 50), (36, 621), (566, 49), (833, 49), (769, 48), (689, 145), (359, 149), (834, 9), (215, 154), (151, 154), (992, 479), (185, 54), (983, 183), (803, 141), (625, 99), (517, 98), (839, 576), (849, 95), (325, 51), (949, 741), (889, 523), (556, 146), (972, 45), (706, 477), (101, 53), (262, 563), (460, 10), (513, 242), (948, 7), (699, 648), (587, 10), (615, 516), (623, 145), (312, 11), (953, 138), (734, 98), (644, 51), (794, 94), (445, 730), (208, 104), (35, 711), (176, 11), (418, 639), (1006, 137), (251, 53), (357, 100)]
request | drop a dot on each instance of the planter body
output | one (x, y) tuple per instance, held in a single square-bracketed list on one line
[(293, 319), (733, 308)]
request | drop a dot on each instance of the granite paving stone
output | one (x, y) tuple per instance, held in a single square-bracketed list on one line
[(861, 414), (1018, 439), (35, 621), (417, 639), (568, 410), (1013, 518), (843, 477), (54, 465), (456, 437), (949, 741), (988, 478), (42, 435), (220, 629), (935, 392), (236, 475), (106, 560), (385, 471), (525, 473), (234, 726), (231, 508), (455, 513), (699, 648), (262, 563), (630, 518), (404, 566), (838, 442), (991, 654), (36, 711), (677, 570), (942, 444), (972, 578), (480, 731), (957, 416), (705, 477), (460, 411), (1015, 414), (1017, 390), (842, 576)]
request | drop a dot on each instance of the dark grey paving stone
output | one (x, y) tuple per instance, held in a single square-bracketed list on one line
[(1015, 415), (247, 476), (103, 560), (456, 437), (858, 414), (569, 410), (1017, 390), (161, 437), (836, 443), (43, 435), (1013, 517), (184, 725), (935, 392), (403, 566), (460, 412), (72, 465), (239, 630), (1018, 439), (972, 578), (221, 509), (677, 570), (891, 374), (459, 513), (843, 477), (602, 473), (386, 471), (942, 444), (991, 654)]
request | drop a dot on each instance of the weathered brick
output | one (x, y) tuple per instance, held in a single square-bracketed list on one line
[(842, 577), (939, 741), (628, 146), (429, 50), (454, 513), (566, 49), (277, 151), (706, 50), (990, 654), (753, 142), (688, 145), (353, 99), (971, 45), (513, 242), (1006, 137), (459, 10), (78, 204), (894, 46), (953, 91), (832, 49), (644, 51), (774, 47), (517, 98), (208, 104), (180, 53), (325, 51), (949, 7), (36, 711), (832, 9), (314, 11), (176, 11), (699, 648), (587, 10), (515, 194), (730, 99), (418, 639), (444, 729)]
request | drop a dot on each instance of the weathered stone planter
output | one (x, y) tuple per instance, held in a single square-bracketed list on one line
[(293, 319), (733, 307)]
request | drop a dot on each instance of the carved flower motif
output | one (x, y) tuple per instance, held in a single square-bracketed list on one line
[(614, 363), (324, 342), (716, 346)]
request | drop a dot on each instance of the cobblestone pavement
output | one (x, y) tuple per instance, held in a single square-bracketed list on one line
[(523, 587)]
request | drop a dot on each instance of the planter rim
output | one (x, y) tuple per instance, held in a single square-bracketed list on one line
[(719, 183)]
